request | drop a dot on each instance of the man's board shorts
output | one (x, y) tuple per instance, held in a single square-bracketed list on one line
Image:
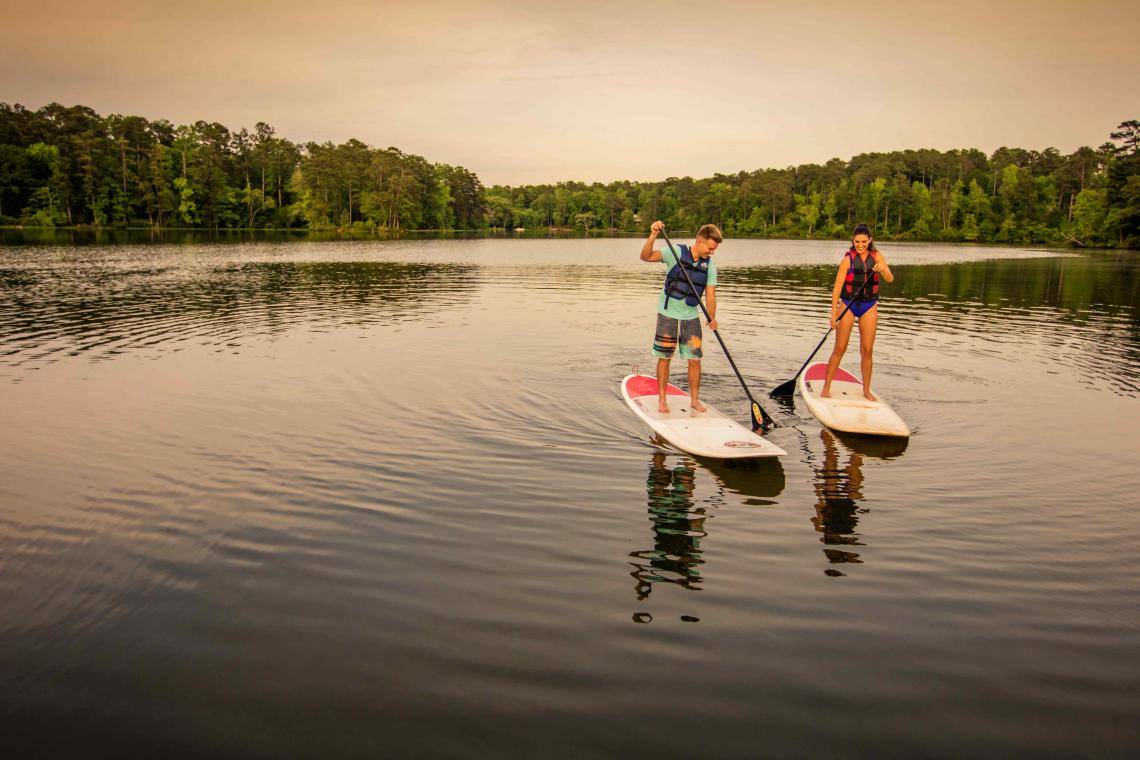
[(672, 331), (860, 307)]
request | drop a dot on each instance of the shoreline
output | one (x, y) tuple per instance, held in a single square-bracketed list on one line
[(537, 232)]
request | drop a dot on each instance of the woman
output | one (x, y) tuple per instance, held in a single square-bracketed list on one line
[(857, 286)]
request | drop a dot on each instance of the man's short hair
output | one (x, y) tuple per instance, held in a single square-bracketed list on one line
[(710, 232)]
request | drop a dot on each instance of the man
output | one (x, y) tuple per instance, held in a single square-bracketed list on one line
[(677, 316)]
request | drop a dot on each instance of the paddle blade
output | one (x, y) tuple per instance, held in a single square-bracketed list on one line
[(784, 389), (760, 420)]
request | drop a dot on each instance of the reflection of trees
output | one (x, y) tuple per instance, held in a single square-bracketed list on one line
[(1108, 280), (678, 527), (94, 305), (151, 236), (199, 237), (839, 489)]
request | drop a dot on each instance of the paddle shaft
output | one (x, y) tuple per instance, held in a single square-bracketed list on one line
[(765, 419), (819, 345)]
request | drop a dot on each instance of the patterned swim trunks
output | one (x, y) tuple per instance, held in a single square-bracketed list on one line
[(670, 331)]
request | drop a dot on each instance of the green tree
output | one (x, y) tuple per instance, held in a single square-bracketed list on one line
[(1089, 212), (584, 220), (187, 211), (808, 209), (45, 209)]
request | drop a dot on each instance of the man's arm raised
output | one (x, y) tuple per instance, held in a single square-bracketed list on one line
[(647, 252)]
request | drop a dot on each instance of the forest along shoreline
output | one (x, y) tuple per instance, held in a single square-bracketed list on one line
[(68, 166)]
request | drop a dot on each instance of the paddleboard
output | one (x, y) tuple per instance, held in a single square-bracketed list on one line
[(846, 410), (703, 434)]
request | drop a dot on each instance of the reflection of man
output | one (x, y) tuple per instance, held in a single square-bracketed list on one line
[(677, 530), (838, 493)]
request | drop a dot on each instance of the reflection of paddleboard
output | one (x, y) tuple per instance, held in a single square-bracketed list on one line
[(847, 410), (758, 481), (703, 434), (876, 447)]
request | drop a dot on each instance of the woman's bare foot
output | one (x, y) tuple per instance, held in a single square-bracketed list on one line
[(698, 406), (662, 405), (826, 392), (868, 395)]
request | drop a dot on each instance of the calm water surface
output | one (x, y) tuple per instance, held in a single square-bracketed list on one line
[(383, 498)]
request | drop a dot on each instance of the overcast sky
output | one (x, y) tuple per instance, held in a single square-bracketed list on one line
[(523, 92)]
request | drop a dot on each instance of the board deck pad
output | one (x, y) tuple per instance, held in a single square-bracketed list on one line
[(847, 410), (707, 434)]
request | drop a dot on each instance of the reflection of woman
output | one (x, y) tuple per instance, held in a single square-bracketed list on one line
[(677, 530), (838, 492), (857, 285)]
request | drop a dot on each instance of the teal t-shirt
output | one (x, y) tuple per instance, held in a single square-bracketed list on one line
[(678, 309)]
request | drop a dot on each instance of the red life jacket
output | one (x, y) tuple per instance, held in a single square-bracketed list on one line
[(858, 272)]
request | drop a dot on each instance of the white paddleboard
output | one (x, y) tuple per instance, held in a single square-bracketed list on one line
[(703, 434), (846, 410)]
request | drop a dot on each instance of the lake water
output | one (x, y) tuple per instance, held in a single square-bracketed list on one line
[(383, 499)]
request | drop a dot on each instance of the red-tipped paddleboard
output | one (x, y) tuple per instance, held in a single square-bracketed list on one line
[(846, 410), (703, 434)]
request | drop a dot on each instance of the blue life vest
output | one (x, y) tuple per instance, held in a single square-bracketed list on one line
[(676, 286)]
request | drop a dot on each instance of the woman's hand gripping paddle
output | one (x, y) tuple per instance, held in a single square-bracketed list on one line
[(789, 388), (760, 418)]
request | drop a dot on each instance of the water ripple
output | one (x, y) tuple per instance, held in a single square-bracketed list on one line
[(396, 482)]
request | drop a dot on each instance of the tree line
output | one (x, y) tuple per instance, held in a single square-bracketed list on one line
[(1090, 197), (70, 166)]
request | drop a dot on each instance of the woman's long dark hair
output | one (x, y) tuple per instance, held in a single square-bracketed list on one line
[(862, 229)]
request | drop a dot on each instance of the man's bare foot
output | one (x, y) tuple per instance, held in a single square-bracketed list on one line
[(868, 395), (698, 406), (662, 405), (826, 392)]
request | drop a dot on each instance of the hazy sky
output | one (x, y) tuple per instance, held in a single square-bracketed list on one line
[(545, 91)]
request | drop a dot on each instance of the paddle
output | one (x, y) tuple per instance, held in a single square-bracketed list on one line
[(789, 388), (760, 418)]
